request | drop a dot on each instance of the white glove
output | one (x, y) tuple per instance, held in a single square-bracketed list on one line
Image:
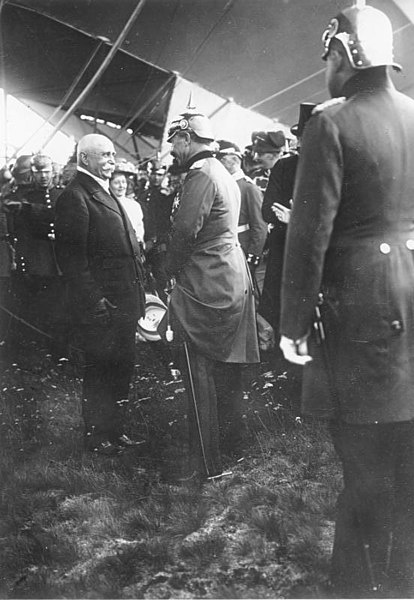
[(282, 213), (295, 352)]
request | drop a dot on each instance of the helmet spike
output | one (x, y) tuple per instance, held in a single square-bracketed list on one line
[(360, 4), (190, 104)]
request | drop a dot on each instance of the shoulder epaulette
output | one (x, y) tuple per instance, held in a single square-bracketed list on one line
[(332, 102)]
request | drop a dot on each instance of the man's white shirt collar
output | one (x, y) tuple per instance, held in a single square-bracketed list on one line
[(103, 182)]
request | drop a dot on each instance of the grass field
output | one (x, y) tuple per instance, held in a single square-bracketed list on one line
[(77, 526)]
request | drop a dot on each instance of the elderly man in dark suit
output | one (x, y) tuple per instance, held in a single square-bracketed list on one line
[(98, 253), (351, 238)]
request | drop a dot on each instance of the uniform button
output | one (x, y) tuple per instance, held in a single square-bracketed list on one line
[(396, 325), (385, 248), (410, 244)]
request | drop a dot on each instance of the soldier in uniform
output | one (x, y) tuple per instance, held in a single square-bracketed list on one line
[(156, 205), (351, 239), (37, 285), (252, 230), (211, 307)]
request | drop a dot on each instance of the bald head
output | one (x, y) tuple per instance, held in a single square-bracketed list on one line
[(96, 154)]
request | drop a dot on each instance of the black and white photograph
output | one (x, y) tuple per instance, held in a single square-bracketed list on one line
[(206, 299)]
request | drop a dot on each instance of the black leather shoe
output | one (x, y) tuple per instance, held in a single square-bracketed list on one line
[(106, 448), (125, 442)]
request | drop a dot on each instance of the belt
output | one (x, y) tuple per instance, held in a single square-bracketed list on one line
[(242, 228)]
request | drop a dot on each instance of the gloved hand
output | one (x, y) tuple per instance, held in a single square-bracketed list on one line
[(101, 312), (295, 351)]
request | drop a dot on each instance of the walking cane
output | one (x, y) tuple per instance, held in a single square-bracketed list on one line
[(323, 343)]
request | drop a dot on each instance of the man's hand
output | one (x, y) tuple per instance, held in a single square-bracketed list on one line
[(282, 213), (295, 352), (102, 311)]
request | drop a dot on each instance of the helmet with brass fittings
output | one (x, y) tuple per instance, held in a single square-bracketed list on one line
[(365, 33)]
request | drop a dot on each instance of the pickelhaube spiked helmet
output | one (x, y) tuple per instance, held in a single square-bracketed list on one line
[(365, 33), (192, 122)]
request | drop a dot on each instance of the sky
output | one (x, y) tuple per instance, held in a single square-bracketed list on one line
[(23, 135)]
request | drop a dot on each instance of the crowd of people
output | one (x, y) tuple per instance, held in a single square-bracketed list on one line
[(335, 219)]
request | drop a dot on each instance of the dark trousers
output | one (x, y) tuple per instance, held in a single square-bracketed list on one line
[(214, 392), (376, 508), (156, 260), (108, 368)]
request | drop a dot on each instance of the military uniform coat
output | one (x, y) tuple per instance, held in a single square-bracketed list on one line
[(97, 250), (252, 240), (351, 234), (33, 228), (212, 302), (279, 189)]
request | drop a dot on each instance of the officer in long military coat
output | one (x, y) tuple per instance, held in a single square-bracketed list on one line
[(351, 237), (99, 256), (211, 307)]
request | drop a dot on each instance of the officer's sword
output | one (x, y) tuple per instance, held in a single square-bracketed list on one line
[(197, 415), (322, 342)]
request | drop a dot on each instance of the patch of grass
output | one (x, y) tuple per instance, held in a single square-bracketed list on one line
[(270, 523), (77, 526), (203, 548)]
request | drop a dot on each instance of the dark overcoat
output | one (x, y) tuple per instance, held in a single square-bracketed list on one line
[(213, 301), (97, 250), (351, 234), (279, 189)]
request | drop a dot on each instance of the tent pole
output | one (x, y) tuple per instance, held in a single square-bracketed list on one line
[(68, 94), (118, 43), (149, 101), (219, 108), (141, 137), (134, 141)]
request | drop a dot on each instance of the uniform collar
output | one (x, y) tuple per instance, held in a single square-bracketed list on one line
[(367, 81), (198, 156)]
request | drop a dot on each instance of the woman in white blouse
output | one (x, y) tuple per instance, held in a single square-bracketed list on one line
[(118, 186)]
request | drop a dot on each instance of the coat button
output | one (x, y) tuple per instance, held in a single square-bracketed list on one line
[(396, 325), (410, 244), (385, 248)]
